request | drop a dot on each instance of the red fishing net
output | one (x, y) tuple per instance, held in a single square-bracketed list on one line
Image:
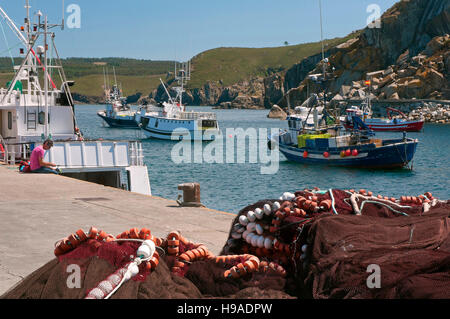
[(311, 244)]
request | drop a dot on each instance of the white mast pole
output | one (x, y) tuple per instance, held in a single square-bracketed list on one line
[(46, 79), (115, 78), (321, 37)]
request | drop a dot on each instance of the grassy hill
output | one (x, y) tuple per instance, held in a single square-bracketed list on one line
[(228, 65), (134, 75)]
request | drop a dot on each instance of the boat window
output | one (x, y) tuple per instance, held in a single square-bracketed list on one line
[(9, 120), (41, 118)]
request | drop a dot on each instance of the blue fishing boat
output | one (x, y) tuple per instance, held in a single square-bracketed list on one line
[(333, 146), (118, 114)]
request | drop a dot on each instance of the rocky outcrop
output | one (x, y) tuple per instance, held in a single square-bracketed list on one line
[(273, 89), (277, 113), (432, 113), (408, 57), (246, 94), (85, 99)]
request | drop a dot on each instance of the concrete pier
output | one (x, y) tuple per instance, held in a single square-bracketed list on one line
[(37, 210)]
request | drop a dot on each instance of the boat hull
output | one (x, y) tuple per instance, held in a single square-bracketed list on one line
[(175, 129), (406, 126), (119, 123), (394, 155)]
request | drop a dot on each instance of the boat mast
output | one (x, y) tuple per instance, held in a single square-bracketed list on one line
[(321, 38), (46, 78)]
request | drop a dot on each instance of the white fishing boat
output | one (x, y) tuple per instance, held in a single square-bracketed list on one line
[(171, 121), (38, 105)]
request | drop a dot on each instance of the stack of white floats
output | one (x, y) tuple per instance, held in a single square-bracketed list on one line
[(251, 231)]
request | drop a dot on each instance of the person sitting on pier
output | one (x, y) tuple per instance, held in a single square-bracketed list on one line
[(37, 159)]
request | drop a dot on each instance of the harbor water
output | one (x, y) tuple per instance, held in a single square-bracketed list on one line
[(230, 185)]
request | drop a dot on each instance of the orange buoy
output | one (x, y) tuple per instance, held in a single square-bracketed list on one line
[(355, 152), (93, 232), (144, 233), (326, 154), (134, 233), (348, 152), (305, 154), (343, 154)]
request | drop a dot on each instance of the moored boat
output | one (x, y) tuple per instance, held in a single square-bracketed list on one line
[(385, 125), (172, 122), (331, 145), (117, 114)]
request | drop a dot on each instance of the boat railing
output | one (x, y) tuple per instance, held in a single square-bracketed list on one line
[(136, 154), (198, 116), (80, 154)]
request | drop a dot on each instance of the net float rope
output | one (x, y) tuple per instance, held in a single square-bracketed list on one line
[(146, 253)]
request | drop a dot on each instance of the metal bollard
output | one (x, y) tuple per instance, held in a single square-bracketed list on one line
[(191, 195)]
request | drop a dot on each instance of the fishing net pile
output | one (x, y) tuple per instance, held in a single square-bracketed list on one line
[(308, 244)]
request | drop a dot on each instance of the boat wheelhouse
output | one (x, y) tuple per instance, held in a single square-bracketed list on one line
[(37, 104)]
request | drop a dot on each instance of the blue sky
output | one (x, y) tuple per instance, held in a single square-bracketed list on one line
[(168, 30)]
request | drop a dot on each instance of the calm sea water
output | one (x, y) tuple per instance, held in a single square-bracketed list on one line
[(230, 187)]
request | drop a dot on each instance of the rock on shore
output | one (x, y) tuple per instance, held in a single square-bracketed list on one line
[(432, 113), (277, 113), (407, 58)]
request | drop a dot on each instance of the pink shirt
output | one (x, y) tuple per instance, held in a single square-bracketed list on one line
[(37, 153)]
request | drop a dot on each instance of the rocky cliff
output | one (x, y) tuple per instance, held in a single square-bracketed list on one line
[(244, 94), (407, 57)]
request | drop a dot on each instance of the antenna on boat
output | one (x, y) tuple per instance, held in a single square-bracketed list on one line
[(63, 17), (115, 78), (321, 38)]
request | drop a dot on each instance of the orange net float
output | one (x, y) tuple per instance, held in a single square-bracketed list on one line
[(297, 212), (93, 233), (145, 234), (134, 233), (153, 262), (102, 235), (300, 202), (325, 205), (263, 266), (250, 265), (62, 248), (277, 268), (173, 243), (313, 206)]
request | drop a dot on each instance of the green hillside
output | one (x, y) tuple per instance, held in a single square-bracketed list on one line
[(230, 65), (134, 75)]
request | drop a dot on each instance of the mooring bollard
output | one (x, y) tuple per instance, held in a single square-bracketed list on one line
[(191, 195)]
